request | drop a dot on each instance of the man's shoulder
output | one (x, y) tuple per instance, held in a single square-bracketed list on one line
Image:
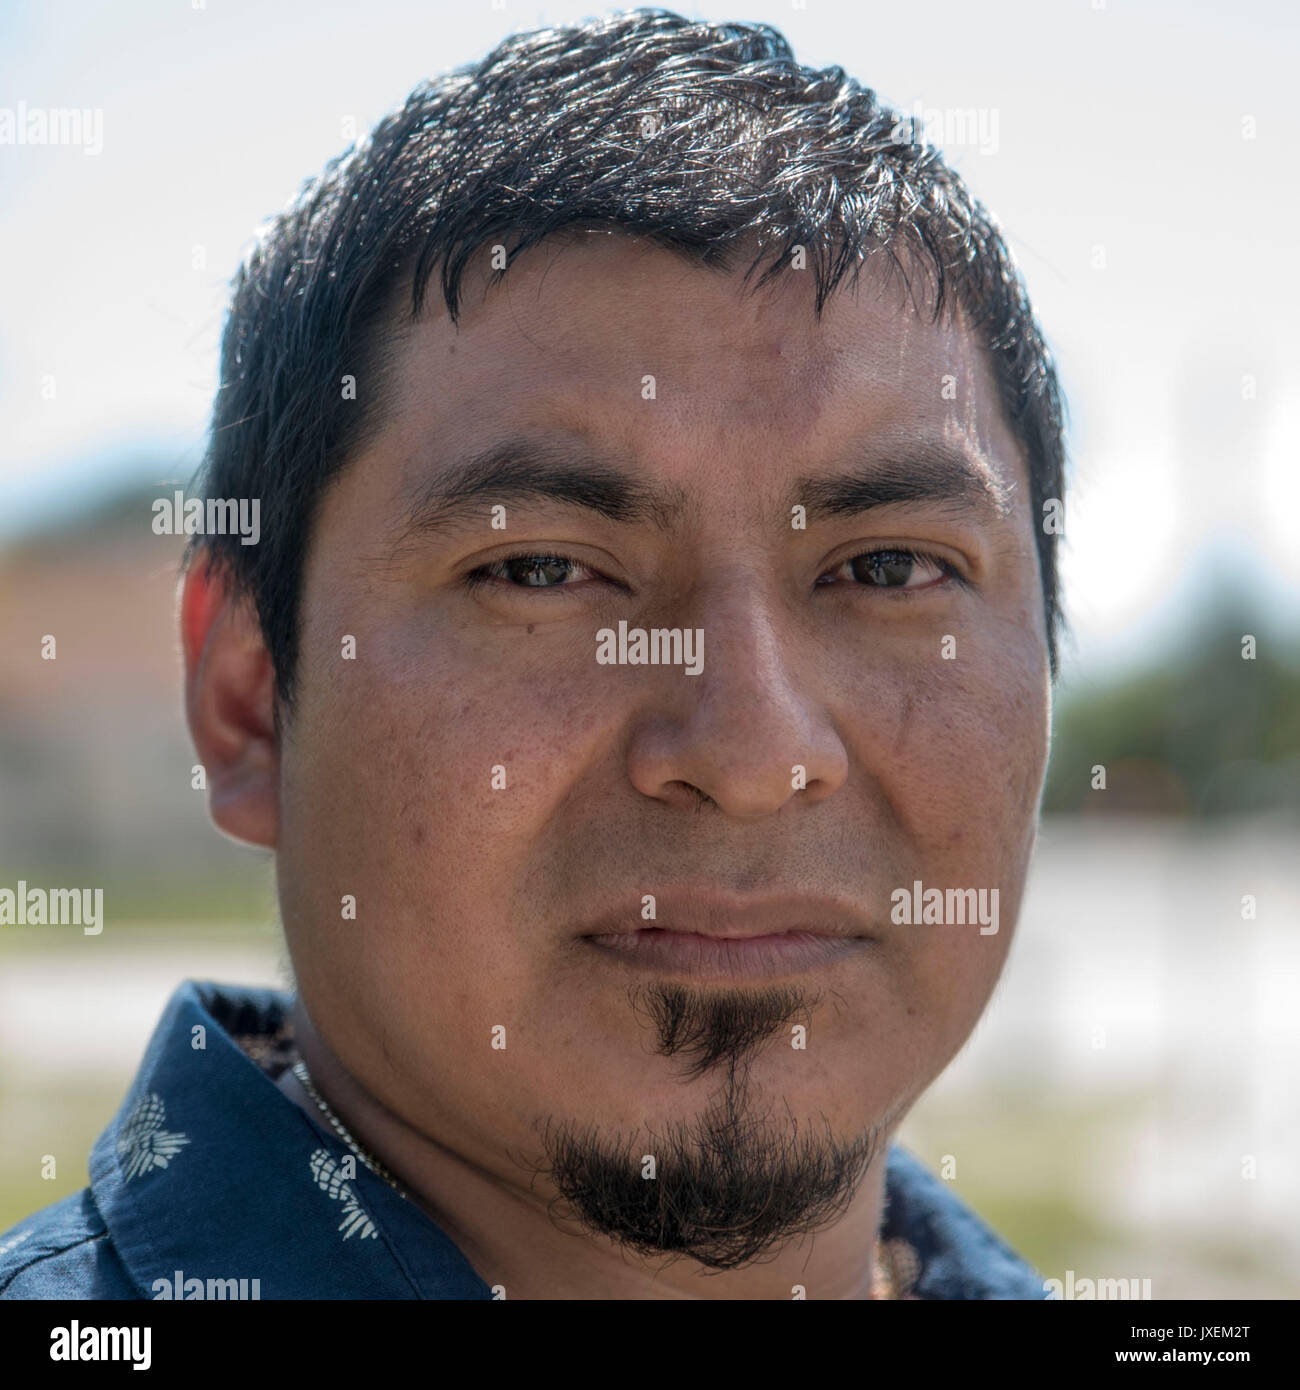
[(948, 1251), (63, 1251)]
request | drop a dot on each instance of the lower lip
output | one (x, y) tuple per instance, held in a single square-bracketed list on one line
[(688, 953)]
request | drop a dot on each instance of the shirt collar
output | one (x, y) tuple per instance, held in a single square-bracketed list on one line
[(208, 1170)]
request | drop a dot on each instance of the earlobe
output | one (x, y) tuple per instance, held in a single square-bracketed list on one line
[(230, 704)]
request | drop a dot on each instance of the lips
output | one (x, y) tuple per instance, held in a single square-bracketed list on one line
[(713, 935), (722, 957)]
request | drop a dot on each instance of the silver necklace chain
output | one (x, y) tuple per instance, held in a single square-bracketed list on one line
[(339, 1128)]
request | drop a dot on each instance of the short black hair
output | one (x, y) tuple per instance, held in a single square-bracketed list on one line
[(702, 137)]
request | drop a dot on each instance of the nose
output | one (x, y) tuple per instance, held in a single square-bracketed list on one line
[(741, 731)]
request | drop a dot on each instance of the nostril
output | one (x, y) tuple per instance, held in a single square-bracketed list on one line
[(702, 799)]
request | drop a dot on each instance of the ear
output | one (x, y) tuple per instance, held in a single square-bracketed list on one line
[(230, 704)]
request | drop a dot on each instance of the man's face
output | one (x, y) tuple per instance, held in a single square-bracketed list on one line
[(495, 799)]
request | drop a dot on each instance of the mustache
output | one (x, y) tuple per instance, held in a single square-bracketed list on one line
[(712, 1028)]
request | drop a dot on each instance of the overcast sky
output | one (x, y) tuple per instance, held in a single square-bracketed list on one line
[(1123, 126)]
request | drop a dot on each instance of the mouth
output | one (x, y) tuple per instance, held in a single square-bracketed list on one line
[(705, 932), (727, 957)]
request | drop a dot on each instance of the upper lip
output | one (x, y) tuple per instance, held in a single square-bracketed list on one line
[(728, 917)]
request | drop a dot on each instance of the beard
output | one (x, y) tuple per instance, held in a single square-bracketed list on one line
[(730, 1185)]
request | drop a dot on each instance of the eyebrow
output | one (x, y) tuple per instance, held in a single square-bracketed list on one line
[(571, 473), (921, 471), (526, 469)]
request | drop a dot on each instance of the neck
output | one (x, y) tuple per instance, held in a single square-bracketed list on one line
[(511, 1236)]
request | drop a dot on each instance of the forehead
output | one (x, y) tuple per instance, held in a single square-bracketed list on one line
[(648, 354)]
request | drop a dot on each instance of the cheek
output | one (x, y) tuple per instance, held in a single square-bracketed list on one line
[(431, 772), (960, 754), (959, 760), (950, 971)]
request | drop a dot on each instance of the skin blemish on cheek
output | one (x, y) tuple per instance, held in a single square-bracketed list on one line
[(530, 629)]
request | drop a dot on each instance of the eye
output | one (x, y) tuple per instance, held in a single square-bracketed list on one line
[(528, 571), (892, 568)]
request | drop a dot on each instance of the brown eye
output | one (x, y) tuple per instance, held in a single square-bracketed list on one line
[(893, 569), (888, 569), (537, 571), (528, 572)]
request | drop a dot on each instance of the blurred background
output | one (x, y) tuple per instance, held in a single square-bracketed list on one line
[(1127, 1107)]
